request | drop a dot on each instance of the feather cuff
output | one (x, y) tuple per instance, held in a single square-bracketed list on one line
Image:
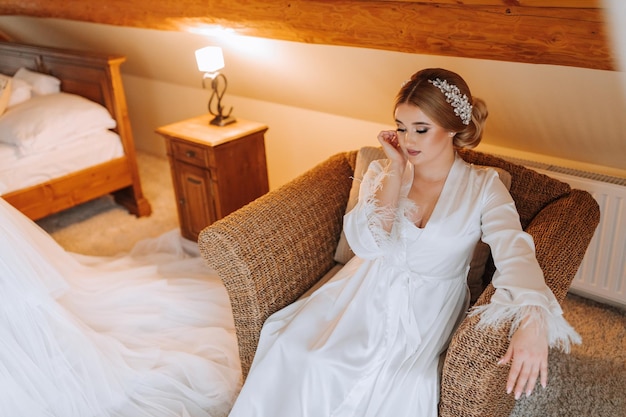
[(377, 215), (560, 334)]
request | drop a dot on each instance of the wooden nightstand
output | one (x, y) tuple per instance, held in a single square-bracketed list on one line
[(215, 170)]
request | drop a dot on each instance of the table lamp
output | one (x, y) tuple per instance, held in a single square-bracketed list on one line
[(210, 61)]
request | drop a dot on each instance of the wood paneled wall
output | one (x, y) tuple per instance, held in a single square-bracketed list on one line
[(559, 32)]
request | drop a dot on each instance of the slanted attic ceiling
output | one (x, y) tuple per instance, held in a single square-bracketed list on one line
[(559, 32)]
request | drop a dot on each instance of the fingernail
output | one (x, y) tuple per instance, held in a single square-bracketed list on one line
[(517, 395)]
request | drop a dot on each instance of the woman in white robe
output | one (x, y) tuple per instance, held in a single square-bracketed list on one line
[(145, 334), (368, 342)]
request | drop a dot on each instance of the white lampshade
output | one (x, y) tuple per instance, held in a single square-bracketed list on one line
[(210, 59)]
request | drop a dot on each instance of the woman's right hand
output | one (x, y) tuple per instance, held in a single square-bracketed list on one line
[(391, 146)]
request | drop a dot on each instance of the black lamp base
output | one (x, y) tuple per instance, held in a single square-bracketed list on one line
[(222, 121)]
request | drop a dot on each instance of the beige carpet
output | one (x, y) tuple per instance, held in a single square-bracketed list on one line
[(589, 382), (101, 227)]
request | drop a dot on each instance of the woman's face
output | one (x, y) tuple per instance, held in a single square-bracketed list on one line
[(422, 140)]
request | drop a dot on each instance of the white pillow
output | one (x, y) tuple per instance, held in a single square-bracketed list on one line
[(44, 122), (42, 84), (20, 92)]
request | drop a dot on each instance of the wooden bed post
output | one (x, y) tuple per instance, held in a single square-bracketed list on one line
[(130, 197)]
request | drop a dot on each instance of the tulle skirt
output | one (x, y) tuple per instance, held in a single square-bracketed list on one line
[(149, 333)]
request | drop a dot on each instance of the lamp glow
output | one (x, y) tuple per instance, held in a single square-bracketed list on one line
[(210, 60)]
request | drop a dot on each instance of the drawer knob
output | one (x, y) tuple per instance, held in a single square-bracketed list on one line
[(190, 154)]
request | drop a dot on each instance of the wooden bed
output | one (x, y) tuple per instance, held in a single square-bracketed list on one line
[(96, 77)]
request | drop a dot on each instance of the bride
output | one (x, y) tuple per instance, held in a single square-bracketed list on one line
[(149, 333)]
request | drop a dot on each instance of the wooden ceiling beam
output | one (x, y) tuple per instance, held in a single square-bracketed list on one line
[(558, 32), (577, 4)]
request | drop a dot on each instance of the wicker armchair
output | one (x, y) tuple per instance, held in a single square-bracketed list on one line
[(273, 250)]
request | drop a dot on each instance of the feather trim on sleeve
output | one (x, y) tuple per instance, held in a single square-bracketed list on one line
[(377, 215), (560, 334)]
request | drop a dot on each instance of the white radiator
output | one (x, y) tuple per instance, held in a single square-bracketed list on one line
[(602, 273)]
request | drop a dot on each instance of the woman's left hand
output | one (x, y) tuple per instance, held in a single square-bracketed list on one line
[(528, 352)]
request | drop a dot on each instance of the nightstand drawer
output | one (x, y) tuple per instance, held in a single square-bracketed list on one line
[(190, 153)]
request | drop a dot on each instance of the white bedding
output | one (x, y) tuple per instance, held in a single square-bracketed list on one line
[(20, 172)]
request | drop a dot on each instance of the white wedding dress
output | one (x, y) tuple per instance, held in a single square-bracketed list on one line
[(368, 342), (147, 334)]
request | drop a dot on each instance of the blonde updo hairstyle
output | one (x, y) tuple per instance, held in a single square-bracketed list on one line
[(419, 92)]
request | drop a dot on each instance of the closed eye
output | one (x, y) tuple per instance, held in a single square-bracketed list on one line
[(420, 131)]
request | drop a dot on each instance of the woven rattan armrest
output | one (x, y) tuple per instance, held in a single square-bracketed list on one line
[(562, 232), (271, 251)]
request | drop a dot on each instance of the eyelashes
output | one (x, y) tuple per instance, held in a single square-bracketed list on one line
[(402, 131)]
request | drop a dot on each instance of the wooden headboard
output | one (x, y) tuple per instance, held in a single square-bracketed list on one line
[(94, 76)]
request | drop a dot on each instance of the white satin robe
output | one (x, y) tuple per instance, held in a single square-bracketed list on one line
[(368, 342)]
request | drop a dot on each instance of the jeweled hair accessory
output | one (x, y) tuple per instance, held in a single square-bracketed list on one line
[(457, 100)]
